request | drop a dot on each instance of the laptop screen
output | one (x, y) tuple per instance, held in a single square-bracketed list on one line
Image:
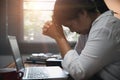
[(16, 52)]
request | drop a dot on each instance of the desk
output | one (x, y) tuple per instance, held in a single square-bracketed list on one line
[(12, 65)]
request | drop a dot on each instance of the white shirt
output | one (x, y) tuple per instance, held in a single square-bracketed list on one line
[(98, 53)]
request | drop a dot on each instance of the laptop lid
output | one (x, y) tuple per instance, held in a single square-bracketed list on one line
[(16, 52)]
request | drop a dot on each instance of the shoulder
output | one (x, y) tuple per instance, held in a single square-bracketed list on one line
[(105, 26), (106, 20)]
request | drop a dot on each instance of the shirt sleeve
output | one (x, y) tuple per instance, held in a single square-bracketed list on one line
[(98, 52)]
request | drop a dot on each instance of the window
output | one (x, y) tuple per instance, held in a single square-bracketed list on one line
[(36, 13)]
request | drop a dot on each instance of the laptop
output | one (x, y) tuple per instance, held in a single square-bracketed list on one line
[(35, 73)]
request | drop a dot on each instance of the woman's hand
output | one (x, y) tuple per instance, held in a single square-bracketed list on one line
[(56, 32), (53, 30)]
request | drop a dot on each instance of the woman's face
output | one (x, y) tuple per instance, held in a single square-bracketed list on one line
[(80, 25)]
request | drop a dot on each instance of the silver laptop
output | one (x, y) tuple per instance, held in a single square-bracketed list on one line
[(35, 73)]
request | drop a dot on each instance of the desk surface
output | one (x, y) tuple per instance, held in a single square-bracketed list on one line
[(12, 65)]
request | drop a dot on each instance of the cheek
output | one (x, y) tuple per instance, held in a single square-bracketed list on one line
[(76, 28)]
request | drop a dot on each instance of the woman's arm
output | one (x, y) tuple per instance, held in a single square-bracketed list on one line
[(114, 5), (56, 32)]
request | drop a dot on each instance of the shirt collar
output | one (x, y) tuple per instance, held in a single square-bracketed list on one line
[(105, 14)]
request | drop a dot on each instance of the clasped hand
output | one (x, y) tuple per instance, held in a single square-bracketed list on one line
[(53, 30)]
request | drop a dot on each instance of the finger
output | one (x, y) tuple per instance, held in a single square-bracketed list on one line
[(48, 23), (44, 31)]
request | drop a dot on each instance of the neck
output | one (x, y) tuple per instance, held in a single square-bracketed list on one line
[(94, 16), (117, 15)]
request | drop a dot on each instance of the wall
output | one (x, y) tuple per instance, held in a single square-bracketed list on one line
[(5, 60)]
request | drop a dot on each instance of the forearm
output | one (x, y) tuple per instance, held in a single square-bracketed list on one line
[(63, 45), (56, 32)]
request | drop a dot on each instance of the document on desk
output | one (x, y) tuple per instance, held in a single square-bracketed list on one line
[(41, 57), (37, 58)]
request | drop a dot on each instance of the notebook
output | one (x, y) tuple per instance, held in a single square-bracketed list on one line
[(38, 73)]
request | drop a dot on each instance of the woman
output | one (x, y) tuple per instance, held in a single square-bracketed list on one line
[(97, 50)]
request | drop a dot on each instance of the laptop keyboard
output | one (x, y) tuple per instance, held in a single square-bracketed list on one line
[(37, 73)]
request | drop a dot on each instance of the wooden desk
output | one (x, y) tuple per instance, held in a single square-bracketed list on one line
[(12, 65)]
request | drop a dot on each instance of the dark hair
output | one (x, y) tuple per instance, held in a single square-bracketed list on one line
[(69, 9), (101, 6)]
